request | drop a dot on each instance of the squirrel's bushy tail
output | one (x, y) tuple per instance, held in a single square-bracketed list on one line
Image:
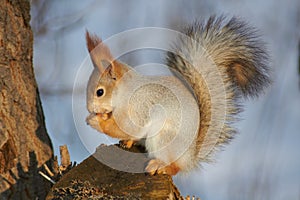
[(239, 57)]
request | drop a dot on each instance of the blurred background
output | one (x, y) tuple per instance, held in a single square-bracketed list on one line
[(262, 162)]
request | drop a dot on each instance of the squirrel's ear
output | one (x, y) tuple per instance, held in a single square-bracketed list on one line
[(118, 69), (99, 52)]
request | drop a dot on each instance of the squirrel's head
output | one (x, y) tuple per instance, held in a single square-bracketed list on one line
[(105, 77)]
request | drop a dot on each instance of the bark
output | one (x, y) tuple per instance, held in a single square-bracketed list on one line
[(24, 142), (92, 179)]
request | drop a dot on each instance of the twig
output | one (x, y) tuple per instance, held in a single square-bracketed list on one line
[(46, 177), (48, 170)]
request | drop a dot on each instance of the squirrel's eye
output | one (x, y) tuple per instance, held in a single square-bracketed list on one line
[(100, 92)]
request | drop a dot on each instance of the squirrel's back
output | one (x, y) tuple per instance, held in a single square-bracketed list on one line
[(222, 60)]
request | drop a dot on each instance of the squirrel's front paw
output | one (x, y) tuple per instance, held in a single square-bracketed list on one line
[(103, 116), (156, 166), (93, 121)]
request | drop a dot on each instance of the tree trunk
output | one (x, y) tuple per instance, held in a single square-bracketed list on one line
[(24, 143)]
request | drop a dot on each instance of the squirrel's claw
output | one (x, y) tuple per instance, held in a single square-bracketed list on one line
[(153, 166), (156, 166), (127, 144)]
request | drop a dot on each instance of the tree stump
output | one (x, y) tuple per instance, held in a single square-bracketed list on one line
[(95, 180)]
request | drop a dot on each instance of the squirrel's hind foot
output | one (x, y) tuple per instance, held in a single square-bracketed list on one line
[(156, 166)]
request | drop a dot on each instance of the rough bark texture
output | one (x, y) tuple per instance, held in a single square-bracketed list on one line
[(92, 179), (24, 143)]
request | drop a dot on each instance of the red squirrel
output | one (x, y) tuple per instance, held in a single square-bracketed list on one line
[(226, 61)]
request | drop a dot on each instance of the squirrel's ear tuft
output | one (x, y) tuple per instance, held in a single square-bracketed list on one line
[(92, 41), (99, 52)]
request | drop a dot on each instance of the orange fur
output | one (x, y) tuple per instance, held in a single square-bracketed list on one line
[(110, 127)]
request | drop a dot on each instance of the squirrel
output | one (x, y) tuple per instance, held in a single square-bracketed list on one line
[(182, 125)]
